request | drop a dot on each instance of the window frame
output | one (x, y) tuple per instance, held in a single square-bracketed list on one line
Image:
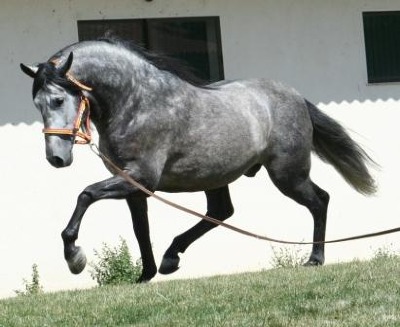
[(379, 41), (214, 46)]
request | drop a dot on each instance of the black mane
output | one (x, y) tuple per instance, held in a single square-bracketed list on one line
[(48, 73), (162, 62)]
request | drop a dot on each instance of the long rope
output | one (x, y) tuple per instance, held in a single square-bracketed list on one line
[(130, 180)]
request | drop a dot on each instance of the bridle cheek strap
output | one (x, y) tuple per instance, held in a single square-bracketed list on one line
[(81, 130)]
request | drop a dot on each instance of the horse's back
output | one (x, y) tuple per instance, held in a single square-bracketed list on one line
[(279, 109)]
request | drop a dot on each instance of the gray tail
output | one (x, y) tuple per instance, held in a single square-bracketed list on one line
[(333, 145)]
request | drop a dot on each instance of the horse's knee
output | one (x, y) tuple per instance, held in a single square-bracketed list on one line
[(85, 198)]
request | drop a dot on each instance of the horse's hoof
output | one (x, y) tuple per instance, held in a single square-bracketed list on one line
[(313, 263), (169, 265), (143, 280), (147, 275), (77, 261)]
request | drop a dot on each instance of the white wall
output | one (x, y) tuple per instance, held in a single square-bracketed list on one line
[(315, 46)]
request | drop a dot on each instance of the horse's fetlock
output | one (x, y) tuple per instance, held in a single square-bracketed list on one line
[(69, 235)]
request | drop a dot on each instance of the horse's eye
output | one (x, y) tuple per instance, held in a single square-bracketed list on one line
[(58, 101)]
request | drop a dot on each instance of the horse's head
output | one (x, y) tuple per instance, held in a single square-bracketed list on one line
[(59, 98)]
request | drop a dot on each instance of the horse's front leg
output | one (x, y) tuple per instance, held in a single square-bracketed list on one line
[(138, 207), (113, 188)]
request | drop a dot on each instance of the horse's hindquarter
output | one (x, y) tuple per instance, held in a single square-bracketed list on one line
[(225, 136)]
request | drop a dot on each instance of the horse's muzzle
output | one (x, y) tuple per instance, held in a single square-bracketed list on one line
[(59, 162)]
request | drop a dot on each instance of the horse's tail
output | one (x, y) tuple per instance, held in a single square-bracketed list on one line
[(334, 145)]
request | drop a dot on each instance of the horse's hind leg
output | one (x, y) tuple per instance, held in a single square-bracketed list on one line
[(219, 206), (295, 183)]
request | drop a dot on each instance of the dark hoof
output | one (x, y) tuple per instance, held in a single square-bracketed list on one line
[(143, 280), (169, 265), (77, 261), (313, 263), (146, 276)]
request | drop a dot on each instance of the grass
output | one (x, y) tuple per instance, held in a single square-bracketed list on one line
[(352, 294)]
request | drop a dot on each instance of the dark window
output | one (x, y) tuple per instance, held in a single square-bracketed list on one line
[(382, 46), (194, 40)]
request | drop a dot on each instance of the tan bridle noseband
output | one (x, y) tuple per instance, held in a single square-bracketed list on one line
[(80, 131)]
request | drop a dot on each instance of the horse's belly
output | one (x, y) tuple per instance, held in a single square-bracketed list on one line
[(175, 184), (203, 176)]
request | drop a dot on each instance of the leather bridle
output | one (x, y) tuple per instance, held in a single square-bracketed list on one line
[(81, 131)]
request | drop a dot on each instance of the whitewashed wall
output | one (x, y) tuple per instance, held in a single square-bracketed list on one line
[(315, 46)]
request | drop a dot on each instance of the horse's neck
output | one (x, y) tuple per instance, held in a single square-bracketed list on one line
[(111, 80), (121, 84), (106, 67)]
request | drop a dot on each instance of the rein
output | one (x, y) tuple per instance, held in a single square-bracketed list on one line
[(217, 222), (86, 138)]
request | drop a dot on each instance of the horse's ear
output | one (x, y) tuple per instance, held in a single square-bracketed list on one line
[(29, 70), (65, 68)]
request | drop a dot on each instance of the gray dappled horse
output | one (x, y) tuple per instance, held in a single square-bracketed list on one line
[(174, 135)]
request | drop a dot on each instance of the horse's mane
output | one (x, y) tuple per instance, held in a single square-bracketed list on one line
[(48, 73), (175, 66)]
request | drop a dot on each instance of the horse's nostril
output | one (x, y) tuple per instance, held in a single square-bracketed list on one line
[(56, 161)]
